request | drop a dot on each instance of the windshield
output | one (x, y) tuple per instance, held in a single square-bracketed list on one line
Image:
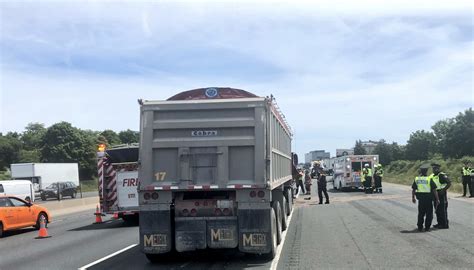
[(52, 186)]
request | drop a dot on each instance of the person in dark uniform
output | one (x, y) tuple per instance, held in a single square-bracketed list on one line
[(378, 174), (424, 189), (442, 185), (466, 180), (322, 186)]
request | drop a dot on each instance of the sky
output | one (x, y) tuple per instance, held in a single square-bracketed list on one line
[(340, 70)]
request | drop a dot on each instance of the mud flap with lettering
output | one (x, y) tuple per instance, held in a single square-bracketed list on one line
[(155, 232), (255, 230), (222, 233), (190, 234)]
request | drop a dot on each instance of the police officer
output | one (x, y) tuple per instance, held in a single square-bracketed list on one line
[(466, 180), (378, 174), (442, 185), (367, 176), (424, 189), (322, 186)]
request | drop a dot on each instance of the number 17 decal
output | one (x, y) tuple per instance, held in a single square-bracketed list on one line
[(160, 176)]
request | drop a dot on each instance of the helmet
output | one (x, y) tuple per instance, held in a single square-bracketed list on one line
[(366, 165)]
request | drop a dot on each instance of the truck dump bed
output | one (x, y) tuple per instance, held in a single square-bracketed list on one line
[(213, 142)]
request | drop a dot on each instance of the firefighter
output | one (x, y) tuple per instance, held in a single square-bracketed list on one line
[(442, 185), (322, 186), (307, 182), (367, 176), (466, 179), (423, 190), (378, 174)]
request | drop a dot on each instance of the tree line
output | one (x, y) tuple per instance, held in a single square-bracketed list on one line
[(60, 143), (448, 138)]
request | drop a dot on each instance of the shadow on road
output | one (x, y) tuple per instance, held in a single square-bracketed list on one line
[(17, 232), (110, 224), (410, 231)]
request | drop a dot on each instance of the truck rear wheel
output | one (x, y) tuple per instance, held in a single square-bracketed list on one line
[(277, 209), (274, 239), (284, 216), (289, 200)]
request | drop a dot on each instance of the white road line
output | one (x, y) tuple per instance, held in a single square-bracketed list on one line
[(280, 247), (107, 257)]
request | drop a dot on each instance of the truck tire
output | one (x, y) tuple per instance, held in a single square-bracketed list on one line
[(273, 231), (289, 200), (277, 209), (284, 216)]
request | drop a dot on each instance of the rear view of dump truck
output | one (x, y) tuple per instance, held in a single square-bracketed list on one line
[(215, 172)]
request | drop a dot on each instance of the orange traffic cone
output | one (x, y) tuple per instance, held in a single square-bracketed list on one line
[(115, 215), (43, 232), (98, 216)]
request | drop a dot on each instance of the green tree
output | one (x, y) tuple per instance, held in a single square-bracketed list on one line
[(398, 152), (384, 151), (33, 136), (420, 145), (111, 137), (10, 146), (65, 143), (459, 139), (359, 149), (129, 136)]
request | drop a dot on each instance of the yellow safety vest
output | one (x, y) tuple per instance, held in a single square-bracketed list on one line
[(423, 184), (435, 178), (367, 172), (466, 171)]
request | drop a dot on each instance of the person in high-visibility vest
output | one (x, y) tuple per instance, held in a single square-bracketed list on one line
[(367, 176), (378, 174), (424, 189), (442, 185), (466, 179)]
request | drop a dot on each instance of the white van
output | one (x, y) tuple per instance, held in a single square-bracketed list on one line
[(22, 189)]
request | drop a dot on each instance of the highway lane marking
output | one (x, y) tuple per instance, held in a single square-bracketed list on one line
[(283, 238), (107, 257)]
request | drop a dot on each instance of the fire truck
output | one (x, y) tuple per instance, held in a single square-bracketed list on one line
[(348, 170), (118, 181), (215, 172)]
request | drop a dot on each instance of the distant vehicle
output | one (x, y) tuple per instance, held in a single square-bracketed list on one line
[(45, 174), (23, 189), (215, 172), (16, 213), (118, 181), (59, 190), (348, 170)]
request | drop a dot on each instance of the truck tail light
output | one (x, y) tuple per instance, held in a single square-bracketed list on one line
[(217, 212), (185, 212), (253, 194), (261, 194), (193, 212), (154, 196), (146, 196), (226, 211)]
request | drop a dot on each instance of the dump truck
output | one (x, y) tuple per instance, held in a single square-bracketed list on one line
[(118, 181), (348, 170), (215, 172)]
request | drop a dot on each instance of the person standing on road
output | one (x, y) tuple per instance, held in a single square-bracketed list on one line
[(466, 180), (378, 174), (367, 175), (299, 181), (424, 189), (322, 187), (307, 182), (442, 185)]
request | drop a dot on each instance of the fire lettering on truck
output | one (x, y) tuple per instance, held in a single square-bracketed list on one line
[(254, 239), (154, 240), (130, 182)]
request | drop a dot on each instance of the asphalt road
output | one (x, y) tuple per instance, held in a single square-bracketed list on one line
[(355, 231), (84, 195)]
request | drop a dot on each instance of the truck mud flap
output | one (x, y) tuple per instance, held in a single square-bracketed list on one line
[(190, 235), (222, 233), (254, 230), (155, 232)]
